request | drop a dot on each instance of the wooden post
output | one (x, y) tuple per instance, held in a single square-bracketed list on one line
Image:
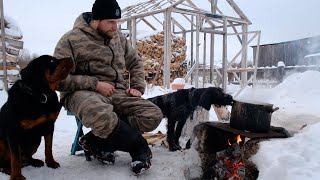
[(204, 58), (197, 50), (244, 75), (134, 32), (129, 22), (256, 60), (3, 45), (224, 57), (213, 10), (167, 49), (192, 39)]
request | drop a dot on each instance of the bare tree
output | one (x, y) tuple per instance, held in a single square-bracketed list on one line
[(25, 57)]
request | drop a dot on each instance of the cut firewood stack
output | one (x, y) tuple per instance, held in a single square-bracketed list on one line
[(151, 50)]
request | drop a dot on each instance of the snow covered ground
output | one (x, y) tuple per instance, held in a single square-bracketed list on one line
[(297, 157)]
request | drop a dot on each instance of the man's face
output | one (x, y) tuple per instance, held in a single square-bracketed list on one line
[(107, 27)]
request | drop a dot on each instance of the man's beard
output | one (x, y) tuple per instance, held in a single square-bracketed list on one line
[(105, 34)]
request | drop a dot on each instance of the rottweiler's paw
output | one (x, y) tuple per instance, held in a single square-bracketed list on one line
[(36, 163), (17, 177), (53, 164)]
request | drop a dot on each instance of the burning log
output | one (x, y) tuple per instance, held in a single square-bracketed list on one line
[(230, 164)]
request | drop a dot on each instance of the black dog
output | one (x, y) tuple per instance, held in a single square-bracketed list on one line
[(178, 106), (29, 113)]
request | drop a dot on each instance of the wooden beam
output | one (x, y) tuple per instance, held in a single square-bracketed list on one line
[(238, 10), (240, 70), (150, 25), (245, 44), (235, 30), (157, 19), (143, 15), (178, 24)]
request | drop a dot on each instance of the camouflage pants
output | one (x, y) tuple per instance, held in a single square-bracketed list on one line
[(101, 113)]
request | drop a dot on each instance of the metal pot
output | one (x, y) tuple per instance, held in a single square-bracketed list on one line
[(251, 116)]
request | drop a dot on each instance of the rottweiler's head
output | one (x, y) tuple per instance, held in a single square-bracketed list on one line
[(47, 71)]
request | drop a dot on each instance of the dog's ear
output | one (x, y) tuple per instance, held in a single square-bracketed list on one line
[(35, 69), (205, 100), (193, 97), (27, 72)]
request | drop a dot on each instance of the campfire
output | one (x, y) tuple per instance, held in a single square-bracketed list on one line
[(229, 161), (225, 149), (225, 152)]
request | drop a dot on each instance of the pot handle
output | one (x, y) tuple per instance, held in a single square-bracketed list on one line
[(274, 109)]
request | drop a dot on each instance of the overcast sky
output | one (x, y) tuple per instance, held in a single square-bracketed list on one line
[(44, 22)]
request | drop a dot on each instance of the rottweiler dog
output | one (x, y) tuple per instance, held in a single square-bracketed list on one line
[(29, 113), (178, 106)]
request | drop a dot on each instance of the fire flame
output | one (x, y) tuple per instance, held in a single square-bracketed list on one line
[(234, 171), (238, 139), (233, 165)]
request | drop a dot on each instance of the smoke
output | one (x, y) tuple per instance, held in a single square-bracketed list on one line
[(312, 52)]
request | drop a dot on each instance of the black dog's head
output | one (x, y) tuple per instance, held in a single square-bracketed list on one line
[(212, 95), (47, 71)]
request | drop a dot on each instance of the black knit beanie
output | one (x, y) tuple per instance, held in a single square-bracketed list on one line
[(106, 9)]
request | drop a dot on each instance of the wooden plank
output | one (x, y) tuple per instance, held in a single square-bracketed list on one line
[(9, 57), (11, 50), (149, 24), (240, 70), (15, 43), (9, 67), (238, 10), (10, 36)]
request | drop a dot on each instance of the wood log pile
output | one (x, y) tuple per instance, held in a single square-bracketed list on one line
[(151, 50)]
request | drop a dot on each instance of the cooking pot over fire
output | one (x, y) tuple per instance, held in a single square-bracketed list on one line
[(252, 116)]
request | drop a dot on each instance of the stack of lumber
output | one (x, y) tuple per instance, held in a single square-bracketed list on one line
[(13, 45), (151, 50)]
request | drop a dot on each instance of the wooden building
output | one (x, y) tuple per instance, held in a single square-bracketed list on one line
[(292, 53)]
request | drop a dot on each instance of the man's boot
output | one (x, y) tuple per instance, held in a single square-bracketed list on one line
[(98, 147), (127, 139), (123, 138)]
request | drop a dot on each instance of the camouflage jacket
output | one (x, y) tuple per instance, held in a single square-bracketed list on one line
[(98, 59)]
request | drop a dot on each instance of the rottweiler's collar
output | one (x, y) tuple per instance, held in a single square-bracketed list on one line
[(42, 97)]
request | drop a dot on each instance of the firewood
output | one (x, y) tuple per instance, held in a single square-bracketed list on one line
[(151, 51)]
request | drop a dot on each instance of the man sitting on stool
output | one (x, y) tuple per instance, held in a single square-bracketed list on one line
[(97, 93)]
